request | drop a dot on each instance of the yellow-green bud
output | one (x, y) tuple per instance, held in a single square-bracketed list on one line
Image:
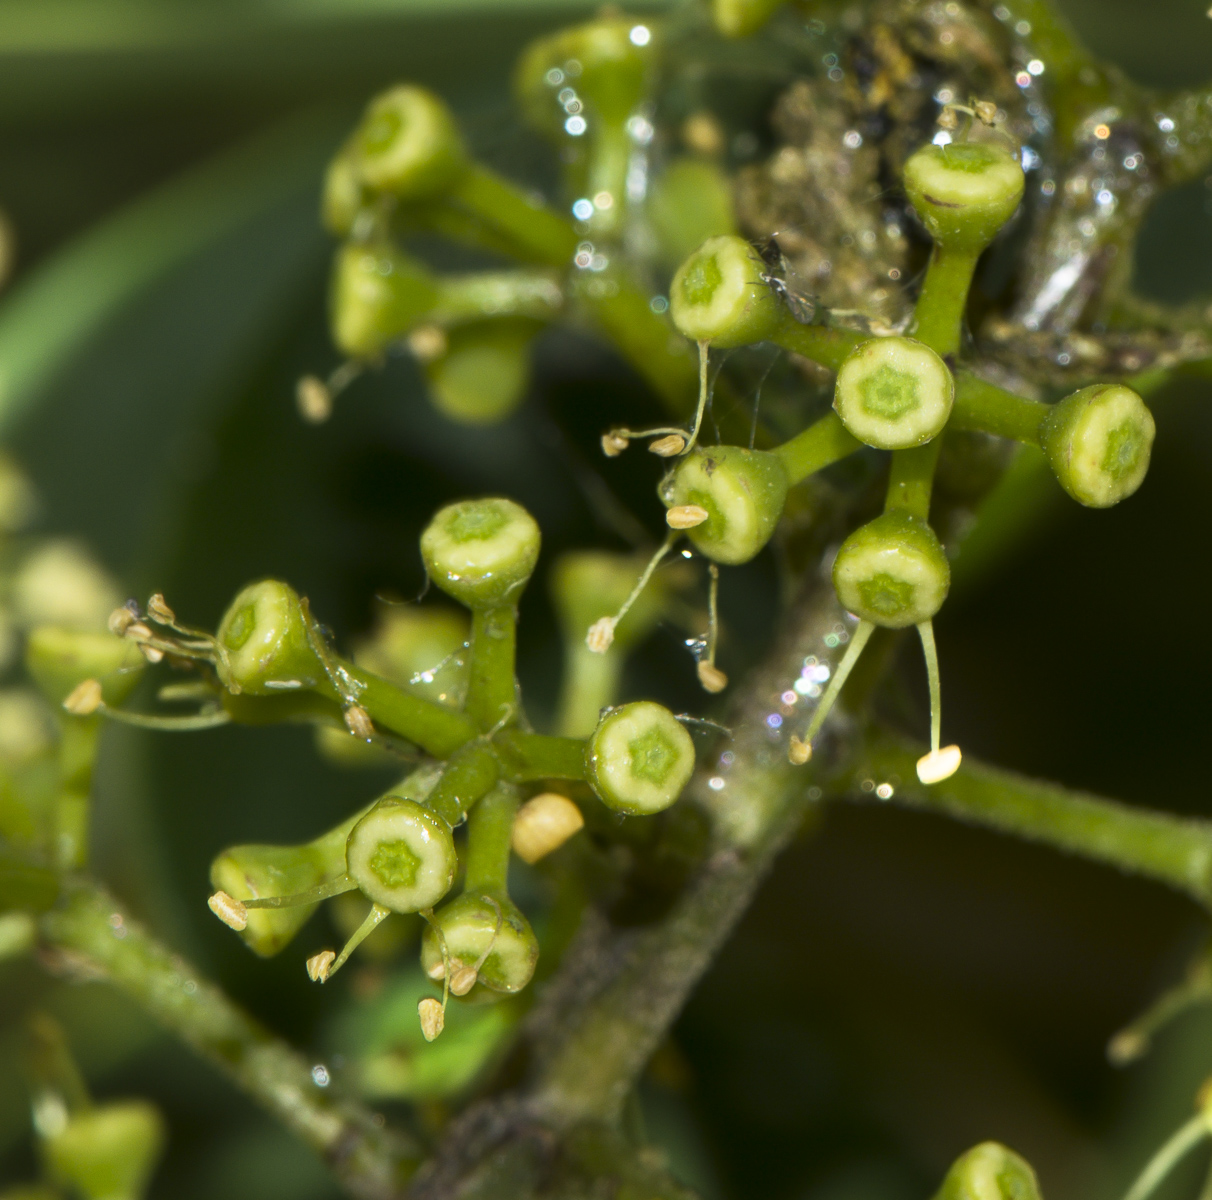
[(342, 196), (639, 758), (989, 1172), (718, 295), (690, 202)]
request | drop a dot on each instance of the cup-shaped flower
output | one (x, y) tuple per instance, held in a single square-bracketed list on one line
[(894, 393), (1098, 442), (485, 927), (742, 491), (989, 1171), (964, 192), (481, 552), (639, 758), (263, 641), (401, 855), (109, 1151), (408, 144), (378, 293), (892, 571), (719, 296)]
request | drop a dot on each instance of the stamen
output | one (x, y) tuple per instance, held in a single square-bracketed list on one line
[(84, 699), (318, 965), (229, 910), (710, 676), (601, 633), (202, 720), (685, 516), (373, 918), (942, 763), (858, 641)]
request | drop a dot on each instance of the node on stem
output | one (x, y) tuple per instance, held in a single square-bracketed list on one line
[(481, 552), (719, 296), (741, 491), (894, 393), (401, 855), (639, 758), (1098, 442), (892, 571)]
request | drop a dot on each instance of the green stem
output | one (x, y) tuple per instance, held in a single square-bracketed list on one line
[(938, 318), (609, 158), (824, 345), (527, 757), (77, 755), (1173, 850), (822, 443), (591, 682), (471, 297), (91, 927), (492, 689), (987, 408), (911, 479), (438, 730), (468, 776), (1185, 1139), (489, 830)]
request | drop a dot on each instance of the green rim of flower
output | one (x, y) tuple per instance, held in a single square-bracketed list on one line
[(1098, 442), (894, 393), (892, 571), (639, 758), (718, 295), (401, 856)]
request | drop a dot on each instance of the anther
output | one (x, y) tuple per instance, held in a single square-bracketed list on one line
[(313, 400), (600, 637), (437, 972), (84, 698), (543, 824), (320, 964), (358, 722), (137, 629), (614, 443), (798, 752), (427, 343), (711, 677), (685, 516), (948, 118), (229, 910), (159, 611), (433, 1017), (152, 654), (986, 111), (463, 980), (938, 764), (120, 620), (668, 447)]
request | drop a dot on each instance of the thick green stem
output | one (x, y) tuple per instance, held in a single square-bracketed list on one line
[(531, 756), (468, 776), (822, 443), (497, 294), (911, 479), (938, 319), (94, 935), (438, 730), (1173, 850), (489, 829), (829, 347), (492, 689), (591, 682), (609, 159), (987, 408)]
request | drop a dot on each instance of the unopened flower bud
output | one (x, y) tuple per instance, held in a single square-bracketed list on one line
[(668, 447), (107, 1151), (711, 677), (686, 516), (358, 722), (614, 443), (600, 637), (313, 400), (989, 1172), (798, 752), (229, 910), (433, 1018), (320, 964), (938, 764), (84, 698), (543, 824)]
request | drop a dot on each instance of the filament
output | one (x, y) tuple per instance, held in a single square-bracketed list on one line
[(1163, 1162), (373, 918), (926, 632), (312, 895), (202, 720), (858, 641)]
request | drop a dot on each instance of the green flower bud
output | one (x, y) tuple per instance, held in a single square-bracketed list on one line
[(485, 371), (343, 195), (742, 492), (892, 571), (61, 583), (964, 192), (989, 1172), (401, 855), (468, 926), (264, 644), (739, 18), (253, 872), (108, 1152), (718, 295), (408, 144), (61, 659), (1098, 442), (639, 758), (894, 393), (614, 58), (419, 647), (378, 294), (690, 202), (481, 552)]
